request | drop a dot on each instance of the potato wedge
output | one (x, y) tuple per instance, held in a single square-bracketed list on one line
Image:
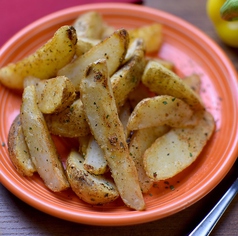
[(40, 144), (177, 149), (18, 150), (141, 140), (163, 81), (113, 49), (94, 161), (54, 95), (126, 79), (160, 110), (101, 111), (194, 82), (59, 51), (151, 34), (70, 123), (93, 189), (89, 25)]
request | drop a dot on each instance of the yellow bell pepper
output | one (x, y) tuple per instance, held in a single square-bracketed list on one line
[(219, 12)]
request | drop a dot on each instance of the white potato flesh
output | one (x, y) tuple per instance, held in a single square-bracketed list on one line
[(112, 49), (141, 140), (93, 189), (95, 162), (177, 149), (161, 110), (59, 51), (100, 108), (18, 150), (40, 144), (163, 81)]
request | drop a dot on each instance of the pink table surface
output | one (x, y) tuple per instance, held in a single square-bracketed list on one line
[(16, 14)]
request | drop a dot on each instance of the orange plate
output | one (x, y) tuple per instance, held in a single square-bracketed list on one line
[(192, 52)]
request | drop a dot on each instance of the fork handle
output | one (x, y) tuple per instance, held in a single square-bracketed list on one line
[(205, 227)]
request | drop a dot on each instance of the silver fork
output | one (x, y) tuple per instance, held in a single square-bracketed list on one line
[(208, 223)]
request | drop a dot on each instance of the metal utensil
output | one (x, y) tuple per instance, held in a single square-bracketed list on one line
[(208, 223)]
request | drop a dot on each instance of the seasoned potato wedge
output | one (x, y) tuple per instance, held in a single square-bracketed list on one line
[(70, 123), (54, 95), (177, 149), (141, 140), (40, 144), (194, 82), (151, 34), (89, 25), (18, 150), (163, 81), (101, 111), (94, 161), (112, 49), (126, 79), (59, 51), (161, 110), (93, 189)]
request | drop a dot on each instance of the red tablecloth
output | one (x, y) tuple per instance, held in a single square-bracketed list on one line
[(16, 14)]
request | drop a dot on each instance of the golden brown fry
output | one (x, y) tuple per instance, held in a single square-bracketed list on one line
[(59, 51), (100, 108)]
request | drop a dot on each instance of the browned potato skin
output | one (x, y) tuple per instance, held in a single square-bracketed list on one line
[(70, 123), (93, 189), (54, 95), (18, 150), (59, 50)]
